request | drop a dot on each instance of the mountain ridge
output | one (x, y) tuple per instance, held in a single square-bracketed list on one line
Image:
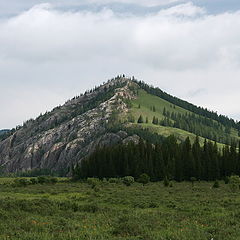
[(69, 133)]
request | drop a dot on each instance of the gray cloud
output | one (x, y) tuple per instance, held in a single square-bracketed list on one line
[(48, 55)]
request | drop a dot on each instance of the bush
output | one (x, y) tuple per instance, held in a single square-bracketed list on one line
[(104, 181), (166, 182), (128, 227), (226, 180), (193, 179), (113, 180), (43, 179), (33, 180), (96, 188), (234, 183), (21, 182), (128, 180), (53, 180), (93, 182), (216, 184), (144, 179)]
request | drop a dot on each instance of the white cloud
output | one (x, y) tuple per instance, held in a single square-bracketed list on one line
[(47, 56), (184, 10), (147, 3)]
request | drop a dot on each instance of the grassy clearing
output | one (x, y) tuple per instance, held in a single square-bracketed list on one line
[(76, 211), (146, 101)]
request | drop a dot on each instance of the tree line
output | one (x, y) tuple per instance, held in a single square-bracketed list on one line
[(177, 161)]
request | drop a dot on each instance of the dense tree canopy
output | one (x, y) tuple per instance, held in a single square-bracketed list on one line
[(179, 161)]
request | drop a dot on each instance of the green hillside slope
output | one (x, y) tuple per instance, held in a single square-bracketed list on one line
[(190, 124)]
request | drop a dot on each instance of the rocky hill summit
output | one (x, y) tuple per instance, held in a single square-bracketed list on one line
[(59, 139)]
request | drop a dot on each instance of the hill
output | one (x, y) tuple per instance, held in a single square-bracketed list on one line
[(118, 112), (3, 131)]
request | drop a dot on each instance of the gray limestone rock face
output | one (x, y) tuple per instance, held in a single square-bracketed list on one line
[(61, 138)]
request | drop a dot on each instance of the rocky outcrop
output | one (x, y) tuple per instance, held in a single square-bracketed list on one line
[(63, 137)]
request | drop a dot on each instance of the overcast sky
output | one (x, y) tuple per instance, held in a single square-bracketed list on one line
[(51, 51)]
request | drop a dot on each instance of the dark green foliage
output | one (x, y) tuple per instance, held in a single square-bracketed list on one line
[(155, 120), (146, 119), (128, 180), (131, 118), (234, 183), (144, 179), (93, 182), (36, 172), (126, 227), (4, 134), (226, 180), (166, 182), (170, 159), (33, 180), (216, 184), (193, 179), (140, 119), (47, 180), (21, 182), (53, 180)]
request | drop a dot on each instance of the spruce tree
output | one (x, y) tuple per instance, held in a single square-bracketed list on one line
[(140, 119), (146, 119)]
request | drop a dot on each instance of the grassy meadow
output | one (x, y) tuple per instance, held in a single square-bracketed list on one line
[(146, 101), (76, 211)]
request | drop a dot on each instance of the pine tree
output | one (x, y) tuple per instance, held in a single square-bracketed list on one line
[(146, 119), (154, 120), (140, 119), (164, 111)]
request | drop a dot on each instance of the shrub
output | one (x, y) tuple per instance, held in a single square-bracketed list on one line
[(166, 182), (96, 188), (128, 180), (43, 179), (216, 184), (140, 119), (193, 179), (33, 180), (113, 180), (104, 181), (226, 180), (234, 183), (53, 180), (21, 182), (93, 182), (126, 226), (144, 179)]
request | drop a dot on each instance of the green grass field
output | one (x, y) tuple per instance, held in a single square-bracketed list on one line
[(146, 101), (72, 211)]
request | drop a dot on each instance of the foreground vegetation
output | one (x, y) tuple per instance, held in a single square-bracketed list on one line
[(112, 210)]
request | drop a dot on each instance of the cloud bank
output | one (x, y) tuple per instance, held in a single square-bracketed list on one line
[(48, 56)]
